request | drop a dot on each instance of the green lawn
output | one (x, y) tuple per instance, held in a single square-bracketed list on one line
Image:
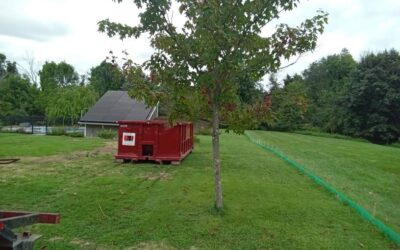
[(108, 205), (39, 145), (367, 173)]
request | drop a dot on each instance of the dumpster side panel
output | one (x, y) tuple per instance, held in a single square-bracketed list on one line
[(129, 141), (186, 139), (168, 144), (153, 140)]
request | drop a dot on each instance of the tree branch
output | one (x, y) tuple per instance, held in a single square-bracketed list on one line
[(290, 64)]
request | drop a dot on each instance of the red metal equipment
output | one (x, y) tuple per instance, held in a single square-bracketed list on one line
[(154, 141), (14, 219)]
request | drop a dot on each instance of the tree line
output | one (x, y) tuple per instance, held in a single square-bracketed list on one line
[(337, 94), (62, 94)]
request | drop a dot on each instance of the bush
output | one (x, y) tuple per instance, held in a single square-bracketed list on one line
[(397, 144), (75, 134), (58, 131), (381, 134), (107, 134)]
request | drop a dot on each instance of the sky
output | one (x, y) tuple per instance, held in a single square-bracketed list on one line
[(66, 30)]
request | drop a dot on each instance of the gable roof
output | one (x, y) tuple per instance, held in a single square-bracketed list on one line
[(116, 106)]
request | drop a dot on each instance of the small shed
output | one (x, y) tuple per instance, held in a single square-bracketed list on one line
[(115, 106)]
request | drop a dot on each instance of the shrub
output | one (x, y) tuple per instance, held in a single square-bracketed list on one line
[(381, 134), (107, 134), (57, 131), (75, 134)]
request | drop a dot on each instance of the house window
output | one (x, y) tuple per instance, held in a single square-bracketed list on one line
[(128, 139)]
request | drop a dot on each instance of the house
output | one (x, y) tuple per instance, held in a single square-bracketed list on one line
[(115, 106)]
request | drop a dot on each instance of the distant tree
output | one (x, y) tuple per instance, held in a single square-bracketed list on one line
[(373, 98), (54, 75), (42, 100), (69, 102), (7, 67), (198, 64), (17, 96), (289, 105), (106, 76), (295, 78), (3, 62), (249, 89), (273, 82), (30, 69), (326, 82)]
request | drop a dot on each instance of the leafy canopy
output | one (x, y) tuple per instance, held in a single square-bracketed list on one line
[(17, 96), (197, 67), (373, 99), (106, 76), (326, 81), (289, 105), (219, 42), (7, 67), (70, 102), (54, 75)]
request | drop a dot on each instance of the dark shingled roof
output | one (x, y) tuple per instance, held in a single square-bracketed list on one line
[(116, 106)]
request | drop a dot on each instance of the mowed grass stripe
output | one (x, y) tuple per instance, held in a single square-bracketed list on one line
[(393, 235), (268, 205), (13, 144), (367, 173)]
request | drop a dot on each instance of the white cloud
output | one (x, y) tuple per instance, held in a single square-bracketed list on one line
[(83, 47), (67, 29), (357, 25)]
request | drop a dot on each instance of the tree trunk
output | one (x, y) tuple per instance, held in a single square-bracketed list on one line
[(216, 157)]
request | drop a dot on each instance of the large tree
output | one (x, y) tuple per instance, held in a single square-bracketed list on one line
[(373, 98), (106, 76), (250, 90), (70, 102), (17, 96), (198, 63), (54, 75), (326, 82), (289, 105), (7, 67)]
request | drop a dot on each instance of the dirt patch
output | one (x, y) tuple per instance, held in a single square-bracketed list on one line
[(156, 176), (152, 246), (46, 164), (80, 243), (110, 148), (56, 238)]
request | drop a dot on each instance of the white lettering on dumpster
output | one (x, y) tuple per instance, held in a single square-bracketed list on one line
[(128, 139)]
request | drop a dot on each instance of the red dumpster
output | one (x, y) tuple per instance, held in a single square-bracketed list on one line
[(154, 141)]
